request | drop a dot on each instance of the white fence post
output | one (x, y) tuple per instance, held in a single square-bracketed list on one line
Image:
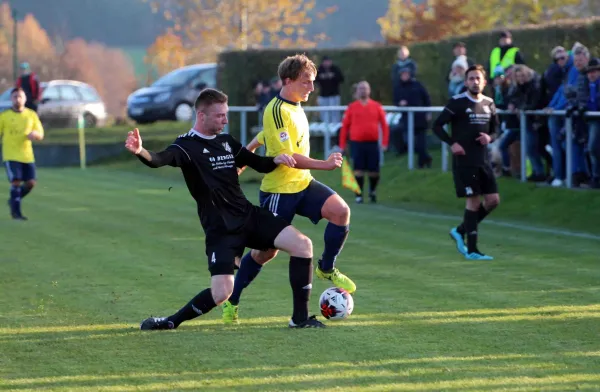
[(411, 140), (569, 154), (523, 120)]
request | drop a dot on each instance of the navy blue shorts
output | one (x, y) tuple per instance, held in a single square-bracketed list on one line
[(19, 171), (365, 156), (307, 203)]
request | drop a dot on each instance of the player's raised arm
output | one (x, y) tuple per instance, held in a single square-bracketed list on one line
[(173, 155), (262, 164)]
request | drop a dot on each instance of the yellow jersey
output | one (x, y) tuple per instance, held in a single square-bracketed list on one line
[(14, 128), (285, 131)]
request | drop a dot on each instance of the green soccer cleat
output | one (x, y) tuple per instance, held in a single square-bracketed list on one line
[(338, 279), (230, 313)]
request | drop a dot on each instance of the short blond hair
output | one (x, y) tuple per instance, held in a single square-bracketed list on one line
[(293, 66)]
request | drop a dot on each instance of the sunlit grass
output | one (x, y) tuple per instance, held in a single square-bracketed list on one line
[(106, 248)]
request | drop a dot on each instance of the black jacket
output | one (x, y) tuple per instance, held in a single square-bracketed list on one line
[(329, 81), (415, 94)]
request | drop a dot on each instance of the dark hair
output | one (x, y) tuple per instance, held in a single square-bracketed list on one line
[(460, 44), (476, 67), (16, 89), (210, 96), (293, 66)]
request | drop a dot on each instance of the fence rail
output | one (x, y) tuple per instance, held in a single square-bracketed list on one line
[(410, 111)]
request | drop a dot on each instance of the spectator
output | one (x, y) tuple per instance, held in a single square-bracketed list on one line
[(329, 79), (459, 50), (556, 123), (589, 99), (403, 62), (31, 85), (275, 87), (579, 128), (502, 87), (505, 54), (456, 79), (361, 125), (525, 96), (413, 93)]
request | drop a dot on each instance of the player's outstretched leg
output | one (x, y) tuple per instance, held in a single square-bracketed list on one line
[(250, 267), (204, 302), (337, 212), (299, 248)]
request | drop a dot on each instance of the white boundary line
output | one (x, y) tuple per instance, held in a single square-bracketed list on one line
[(565, 233)]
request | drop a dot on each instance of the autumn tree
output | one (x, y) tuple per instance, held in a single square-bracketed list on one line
[(410, 21), (166, 53), (208, 27)]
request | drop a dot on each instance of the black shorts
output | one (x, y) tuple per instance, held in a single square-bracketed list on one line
[(474, 181), (365, 156), (259, 232)]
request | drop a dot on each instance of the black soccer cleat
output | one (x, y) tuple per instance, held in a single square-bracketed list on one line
[(373, 197), (156, 323), (310, 322)]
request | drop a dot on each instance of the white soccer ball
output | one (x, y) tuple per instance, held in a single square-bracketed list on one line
[(336, 304)]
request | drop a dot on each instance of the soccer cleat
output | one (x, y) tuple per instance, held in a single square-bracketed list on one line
[(373, 197), (230, 313), (477, 256), (359, 200), (156, 323), (310, 322), (460, 242), (338, 279)]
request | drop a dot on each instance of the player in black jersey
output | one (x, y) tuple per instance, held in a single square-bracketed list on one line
[(209, 162), (474, 123)]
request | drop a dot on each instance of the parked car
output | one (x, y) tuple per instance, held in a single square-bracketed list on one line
[(172, 96), (5, 102), (63, 101)]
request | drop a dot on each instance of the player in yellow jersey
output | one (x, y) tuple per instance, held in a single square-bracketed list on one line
[(292, 191), (19, 126)]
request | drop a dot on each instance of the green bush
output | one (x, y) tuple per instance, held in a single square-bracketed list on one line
[(238, 70)]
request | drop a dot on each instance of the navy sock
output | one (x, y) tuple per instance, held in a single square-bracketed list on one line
[(360, 180), (301, 282), (373, 181), (199, 305), (335, 237), (248, 271), (15, 200), (25, 191)]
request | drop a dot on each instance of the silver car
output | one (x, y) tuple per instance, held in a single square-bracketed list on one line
[(63, 101)]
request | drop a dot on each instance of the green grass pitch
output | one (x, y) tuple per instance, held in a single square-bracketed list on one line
[(106, 247)]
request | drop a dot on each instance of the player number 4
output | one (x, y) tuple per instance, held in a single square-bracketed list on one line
[(213, 258), (468, 191)]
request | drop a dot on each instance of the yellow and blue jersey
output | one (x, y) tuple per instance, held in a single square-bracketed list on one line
[(285, 131), (14, 128)]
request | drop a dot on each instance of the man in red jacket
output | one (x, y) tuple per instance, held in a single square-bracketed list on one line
[(361, 126), (29, 82)]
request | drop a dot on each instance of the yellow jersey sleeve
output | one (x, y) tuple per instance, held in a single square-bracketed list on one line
[(260, 138), (37, 124)]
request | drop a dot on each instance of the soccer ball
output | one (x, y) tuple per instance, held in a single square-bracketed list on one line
[(336, 304)]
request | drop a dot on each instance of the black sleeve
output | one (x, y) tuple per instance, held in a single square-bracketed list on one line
[(258, 163), (494, 122), (174, 155), (519, 59), (444, 118)]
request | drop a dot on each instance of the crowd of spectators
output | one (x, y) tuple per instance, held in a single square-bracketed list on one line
[(571, 82)]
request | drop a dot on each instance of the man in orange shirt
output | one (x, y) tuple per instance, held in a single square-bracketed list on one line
[(361, 126)]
